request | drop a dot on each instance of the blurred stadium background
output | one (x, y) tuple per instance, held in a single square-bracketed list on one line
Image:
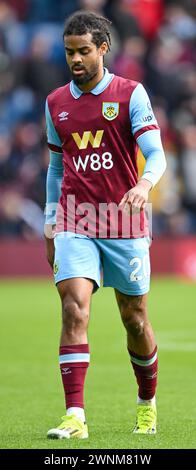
[(153, 42), (157, 48)]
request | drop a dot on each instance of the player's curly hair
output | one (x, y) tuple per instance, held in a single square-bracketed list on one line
[(83, 22)]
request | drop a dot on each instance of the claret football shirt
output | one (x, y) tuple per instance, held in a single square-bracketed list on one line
[(96, 135)]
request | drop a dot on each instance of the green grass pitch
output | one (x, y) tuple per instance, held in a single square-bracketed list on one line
[(31, 393)]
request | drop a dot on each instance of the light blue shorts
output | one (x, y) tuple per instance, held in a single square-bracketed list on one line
[(124, 264)]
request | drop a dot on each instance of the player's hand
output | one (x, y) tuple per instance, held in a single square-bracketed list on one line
[(136, 198), (49, 240)]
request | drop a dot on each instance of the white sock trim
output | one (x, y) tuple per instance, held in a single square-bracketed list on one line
[(152, 401), (79, 412)]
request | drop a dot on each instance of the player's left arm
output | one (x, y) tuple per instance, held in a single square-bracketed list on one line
[(147, 134)]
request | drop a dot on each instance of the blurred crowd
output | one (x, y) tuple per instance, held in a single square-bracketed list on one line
[(153, 41)]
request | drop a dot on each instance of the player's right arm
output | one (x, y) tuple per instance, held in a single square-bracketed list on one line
[(53, 184)]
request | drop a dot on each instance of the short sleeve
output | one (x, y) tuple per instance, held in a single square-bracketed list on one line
[(53, 139), (141, 114)]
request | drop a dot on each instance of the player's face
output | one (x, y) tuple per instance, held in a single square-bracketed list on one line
[(84, 59)]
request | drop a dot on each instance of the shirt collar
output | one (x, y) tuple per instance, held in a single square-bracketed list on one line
[(99, 88)]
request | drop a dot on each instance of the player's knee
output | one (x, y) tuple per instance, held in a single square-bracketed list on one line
[(74, 316), (134, 325)]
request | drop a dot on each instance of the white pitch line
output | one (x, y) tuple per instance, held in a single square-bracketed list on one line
[(177, 340), (184, 347)]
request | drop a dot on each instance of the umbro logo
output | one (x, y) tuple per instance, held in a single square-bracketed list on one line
[(153, 376), (63, 116), (65, 370)]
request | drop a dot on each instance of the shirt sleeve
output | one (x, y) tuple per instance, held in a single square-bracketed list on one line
[(53, 139), (53, 186), (140, 111), (152, 149)]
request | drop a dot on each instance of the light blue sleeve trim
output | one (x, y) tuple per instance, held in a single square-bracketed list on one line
[(152, 149), (52, 136), (53, 186), (140, 109)]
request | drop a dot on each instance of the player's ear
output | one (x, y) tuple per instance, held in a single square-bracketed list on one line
[(103, 48)]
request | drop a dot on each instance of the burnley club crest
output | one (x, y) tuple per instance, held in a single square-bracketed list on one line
[(110, 110)]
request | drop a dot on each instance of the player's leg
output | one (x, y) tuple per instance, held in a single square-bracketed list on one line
[(77, 261), (143, 355), (126, 267), (133, 310), (75, 297)]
